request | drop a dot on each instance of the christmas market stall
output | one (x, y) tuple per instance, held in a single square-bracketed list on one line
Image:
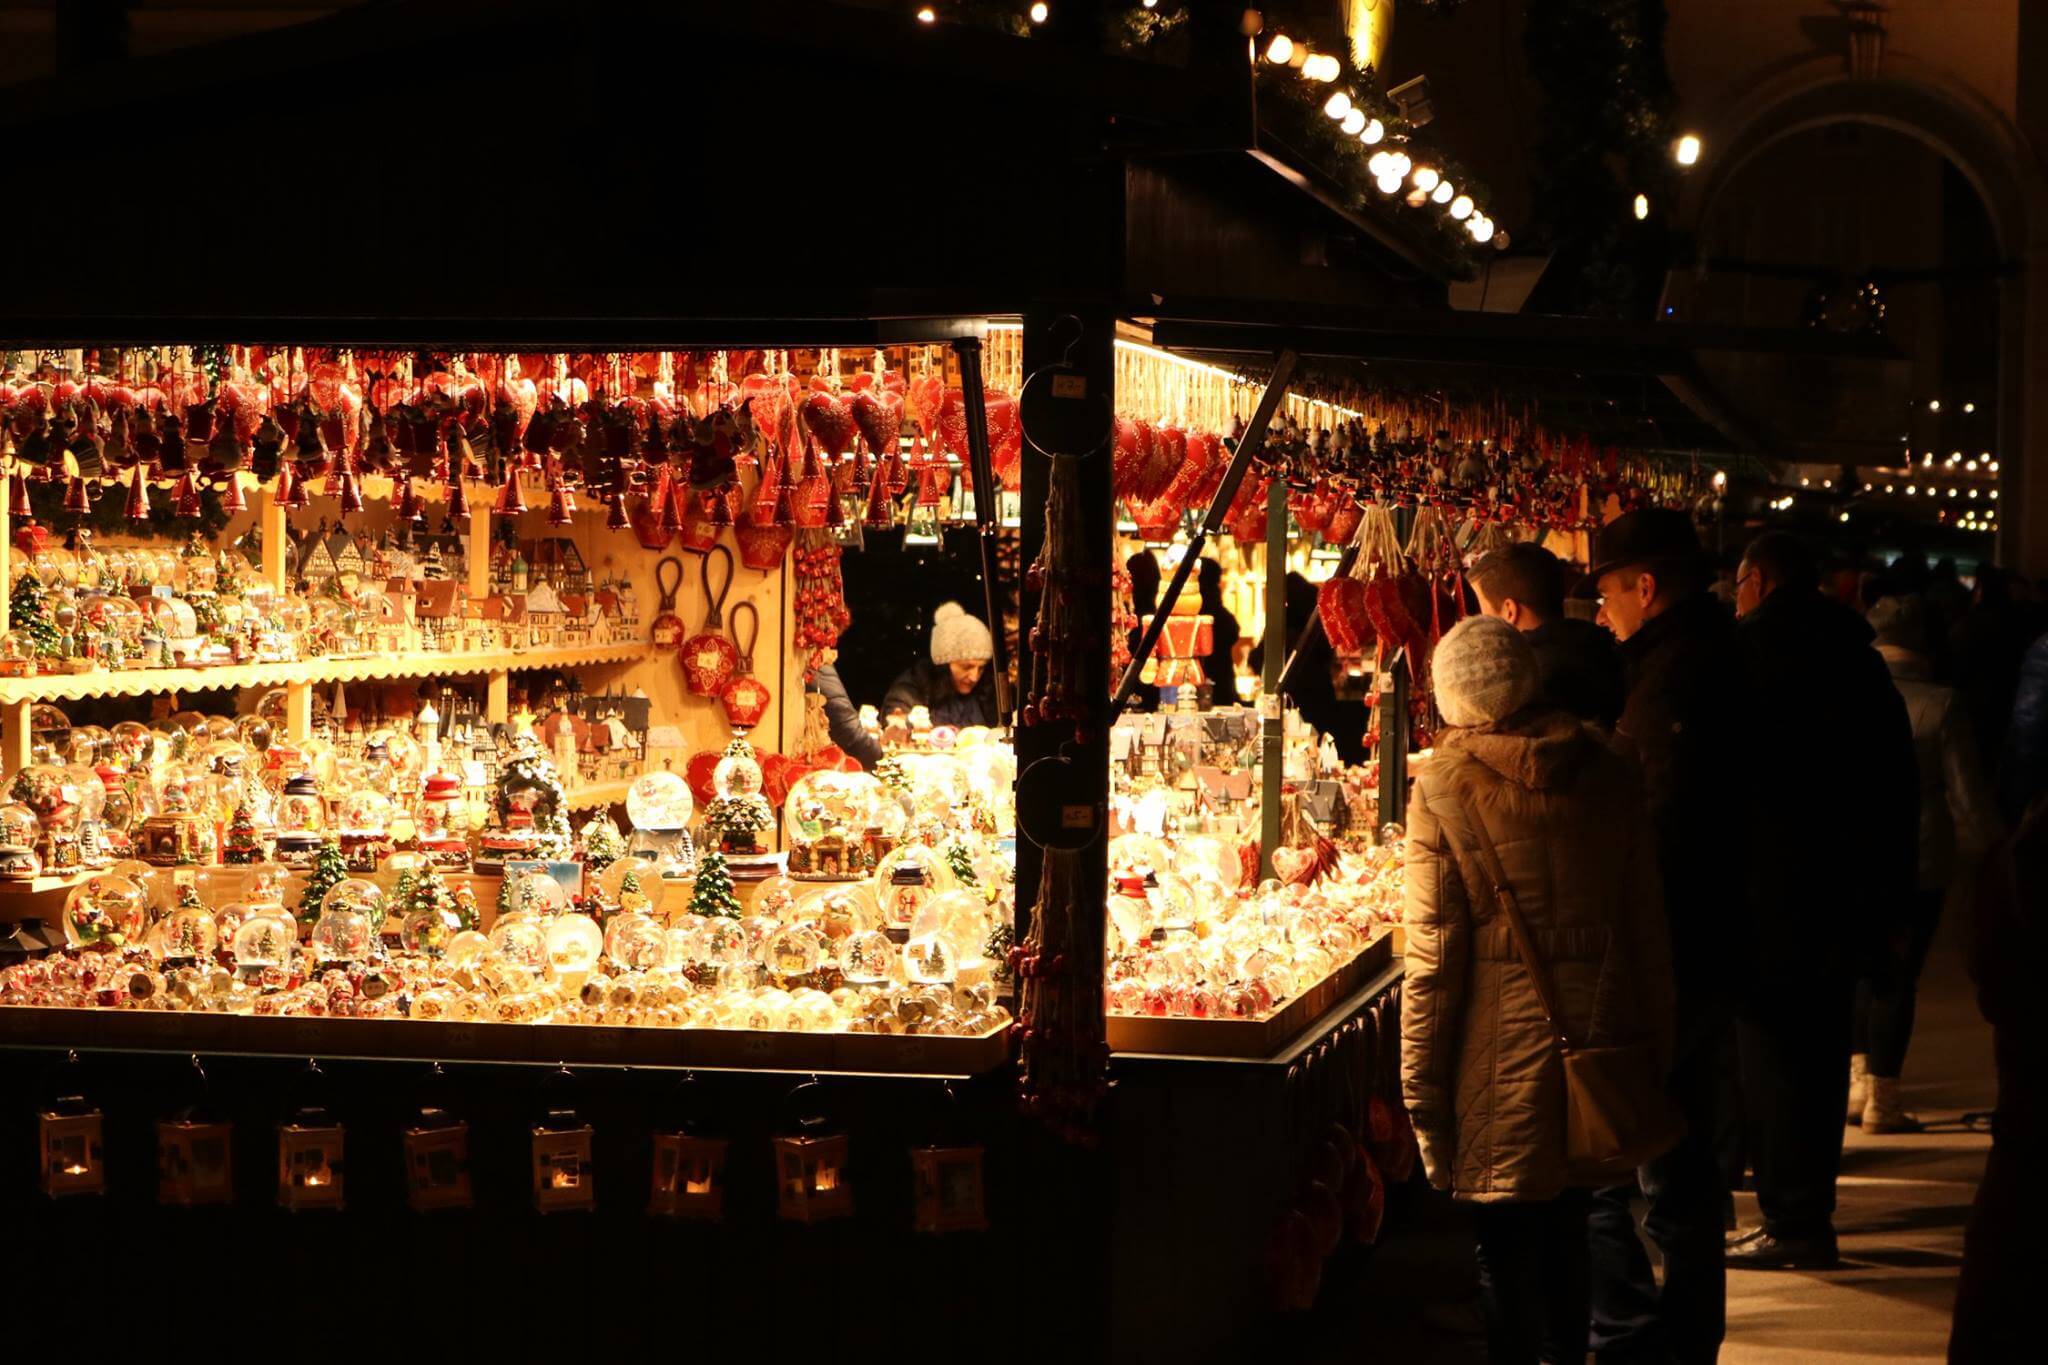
[(430, 809)]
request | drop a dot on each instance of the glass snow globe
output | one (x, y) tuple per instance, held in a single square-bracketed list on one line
[(905, 879), (105, 911), (574, 943), (265, 943), (793, 951), (961, 918), (740, 817), (659, 801), (520, 939), (189, 933), (840, 912), (828, 821), (301, 821), (869, 959), (19, 827), (635, 941), (535, 894), (351, 914), (365, 828), (427, 930)]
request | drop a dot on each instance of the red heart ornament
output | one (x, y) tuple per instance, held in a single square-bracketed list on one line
[(830, 419), (879, 416), (702, 771)]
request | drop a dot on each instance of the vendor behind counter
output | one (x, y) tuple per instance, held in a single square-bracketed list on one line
[(955, 686)]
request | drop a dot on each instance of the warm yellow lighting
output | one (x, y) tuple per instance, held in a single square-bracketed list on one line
[(1951, 492), (1354, 122), (1426, 178), (1322, 67), (1398, 164), (1994, 466), (1481, 228), (1338, 105), (1845, 516), (1687, 150), (1970, 465), (1973, 492), (1374, 131), (1969, 407), (1376, 164), (1642, 207), (1281, 50), (1040, 12), (1934, 405), (927, 15), (1389, 184), (1443, 192), (1461, 207), (1912, 490), (1720, 479)]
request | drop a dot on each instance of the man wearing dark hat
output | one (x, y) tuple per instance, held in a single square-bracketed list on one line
[(1835, 836), (1685, 721)]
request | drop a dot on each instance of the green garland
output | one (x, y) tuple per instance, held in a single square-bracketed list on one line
[(109, 515)]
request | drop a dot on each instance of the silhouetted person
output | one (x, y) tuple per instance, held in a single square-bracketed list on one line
[(1311, 687), (1987, 646), (1144, 570), (1217, 666), (1834, 830)]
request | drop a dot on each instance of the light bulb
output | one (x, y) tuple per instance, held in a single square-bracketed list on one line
[(1331, 68), (1354, 122), (1912, 490), (1951, 492), (1416, 199), (1845, 516), (1281, 50), (1376, 164), (1398, 164), (1969, 407), (1482, 228), (1642, 207), (1039, 12), (1687, 150), (1443, 192), (1973, 492), (1389, 184), (927, 15), (1338, 105), (1374, 131), (1934, 405), (1461, 207), (1149, 4), (1426, 178)]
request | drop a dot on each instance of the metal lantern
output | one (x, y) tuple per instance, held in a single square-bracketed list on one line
[(73, 1148), (689, 1177), (195, 1163), (310, 1170), (811, 1178), (948, 1189), (437, 1162), (563, 1176)]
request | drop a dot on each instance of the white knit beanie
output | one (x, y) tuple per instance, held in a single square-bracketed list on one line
[(1484, 670), (956, 635)]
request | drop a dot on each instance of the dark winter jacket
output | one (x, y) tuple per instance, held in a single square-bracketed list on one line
[(1833, 803), (842, 718), (2023, 761), (1581, 669), (1686, 723), (930, 685)]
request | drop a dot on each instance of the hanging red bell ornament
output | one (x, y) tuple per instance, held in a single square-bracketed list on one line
[(458, 498), (881, 511), (231, 499), (744, 696), (185, 496), (668, 580), (77, 497), (615, 515), (510, 503), (561, 506), (761, 547), (709, 659), (138, 495), (18, 505), (722, 502), (654, 523)]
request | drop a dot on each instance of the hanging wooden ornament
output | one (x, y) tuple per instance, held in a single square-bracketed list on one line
[(78, 498), (231, 499), (654, 523), (724, 502), (561, 504), (458, 499), (745, 697), (668, 580), (615, 515), (881, 510), (510, 503), (709, 659)]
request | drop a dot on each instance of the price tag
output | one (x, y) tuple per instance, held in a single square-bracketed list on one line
[(1070, 386), (1077, 817), (1269, 707)]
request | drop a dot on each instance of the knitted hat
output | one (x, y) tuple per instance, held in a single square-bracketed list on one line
[(1899, 622), (956, 635), (1485, 672)]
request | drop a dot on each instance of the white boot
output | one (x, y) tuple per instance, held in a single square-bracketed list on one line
[(1884, 1113), (1859, 1085)]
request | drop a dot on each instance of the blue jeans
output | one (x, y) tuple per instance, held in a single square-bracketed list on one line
[(1685, 1194)]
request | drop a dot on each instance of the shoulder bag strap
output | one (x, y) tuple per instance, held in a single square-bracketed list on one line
[(1504, 897)]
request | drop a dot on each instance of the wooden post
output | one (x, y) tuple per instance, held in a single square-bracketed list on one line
[(479, 548), (1272, 707), (498, 697), (275, 519), (6, 544), (14, 721), (298, 710)]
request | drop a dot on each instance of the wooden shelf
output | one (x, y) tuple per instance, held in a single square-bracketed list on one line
[(600, 794), (550, 1044), (142, 682), (1251, 1038)]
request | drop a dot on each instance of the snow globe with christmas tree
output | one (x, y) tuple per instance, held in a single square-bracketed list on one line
[(530, 811), (350, 916), (832, 821), (739, 819), (659, 805)]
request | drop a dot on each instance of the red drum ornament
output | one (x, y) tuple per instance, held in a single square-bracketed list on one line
[(697, 527), (745, 698), (709, 659), (654, 523), (668, 627), (761, 546)]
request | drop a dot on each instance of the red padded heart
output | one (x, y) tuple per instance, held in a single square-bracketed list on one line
[(830, 419), (923, 401), (701, 770), (880, 419)]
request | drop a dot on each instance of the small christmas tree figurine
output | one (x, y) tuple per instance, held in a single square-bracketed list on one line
[(426, 890), (891, 773), (960, 863), (632, 898), (603, 845), (243, 845), (712, 895), (28, 612), (329, 871)]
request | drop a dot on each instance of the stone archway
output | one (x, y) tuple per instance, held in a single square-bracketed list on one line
[(1928, 105)]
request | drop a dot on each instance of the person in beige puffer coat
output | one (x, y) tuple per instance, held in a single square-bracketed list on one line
[(1480, 1067)]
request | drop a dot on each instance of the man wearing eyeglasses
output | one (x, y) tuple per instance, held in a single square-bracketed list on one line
[(1685, 722)]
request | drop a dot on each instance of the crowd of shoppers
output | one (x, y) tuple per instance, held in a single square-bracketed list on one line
[(1729, 834)]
